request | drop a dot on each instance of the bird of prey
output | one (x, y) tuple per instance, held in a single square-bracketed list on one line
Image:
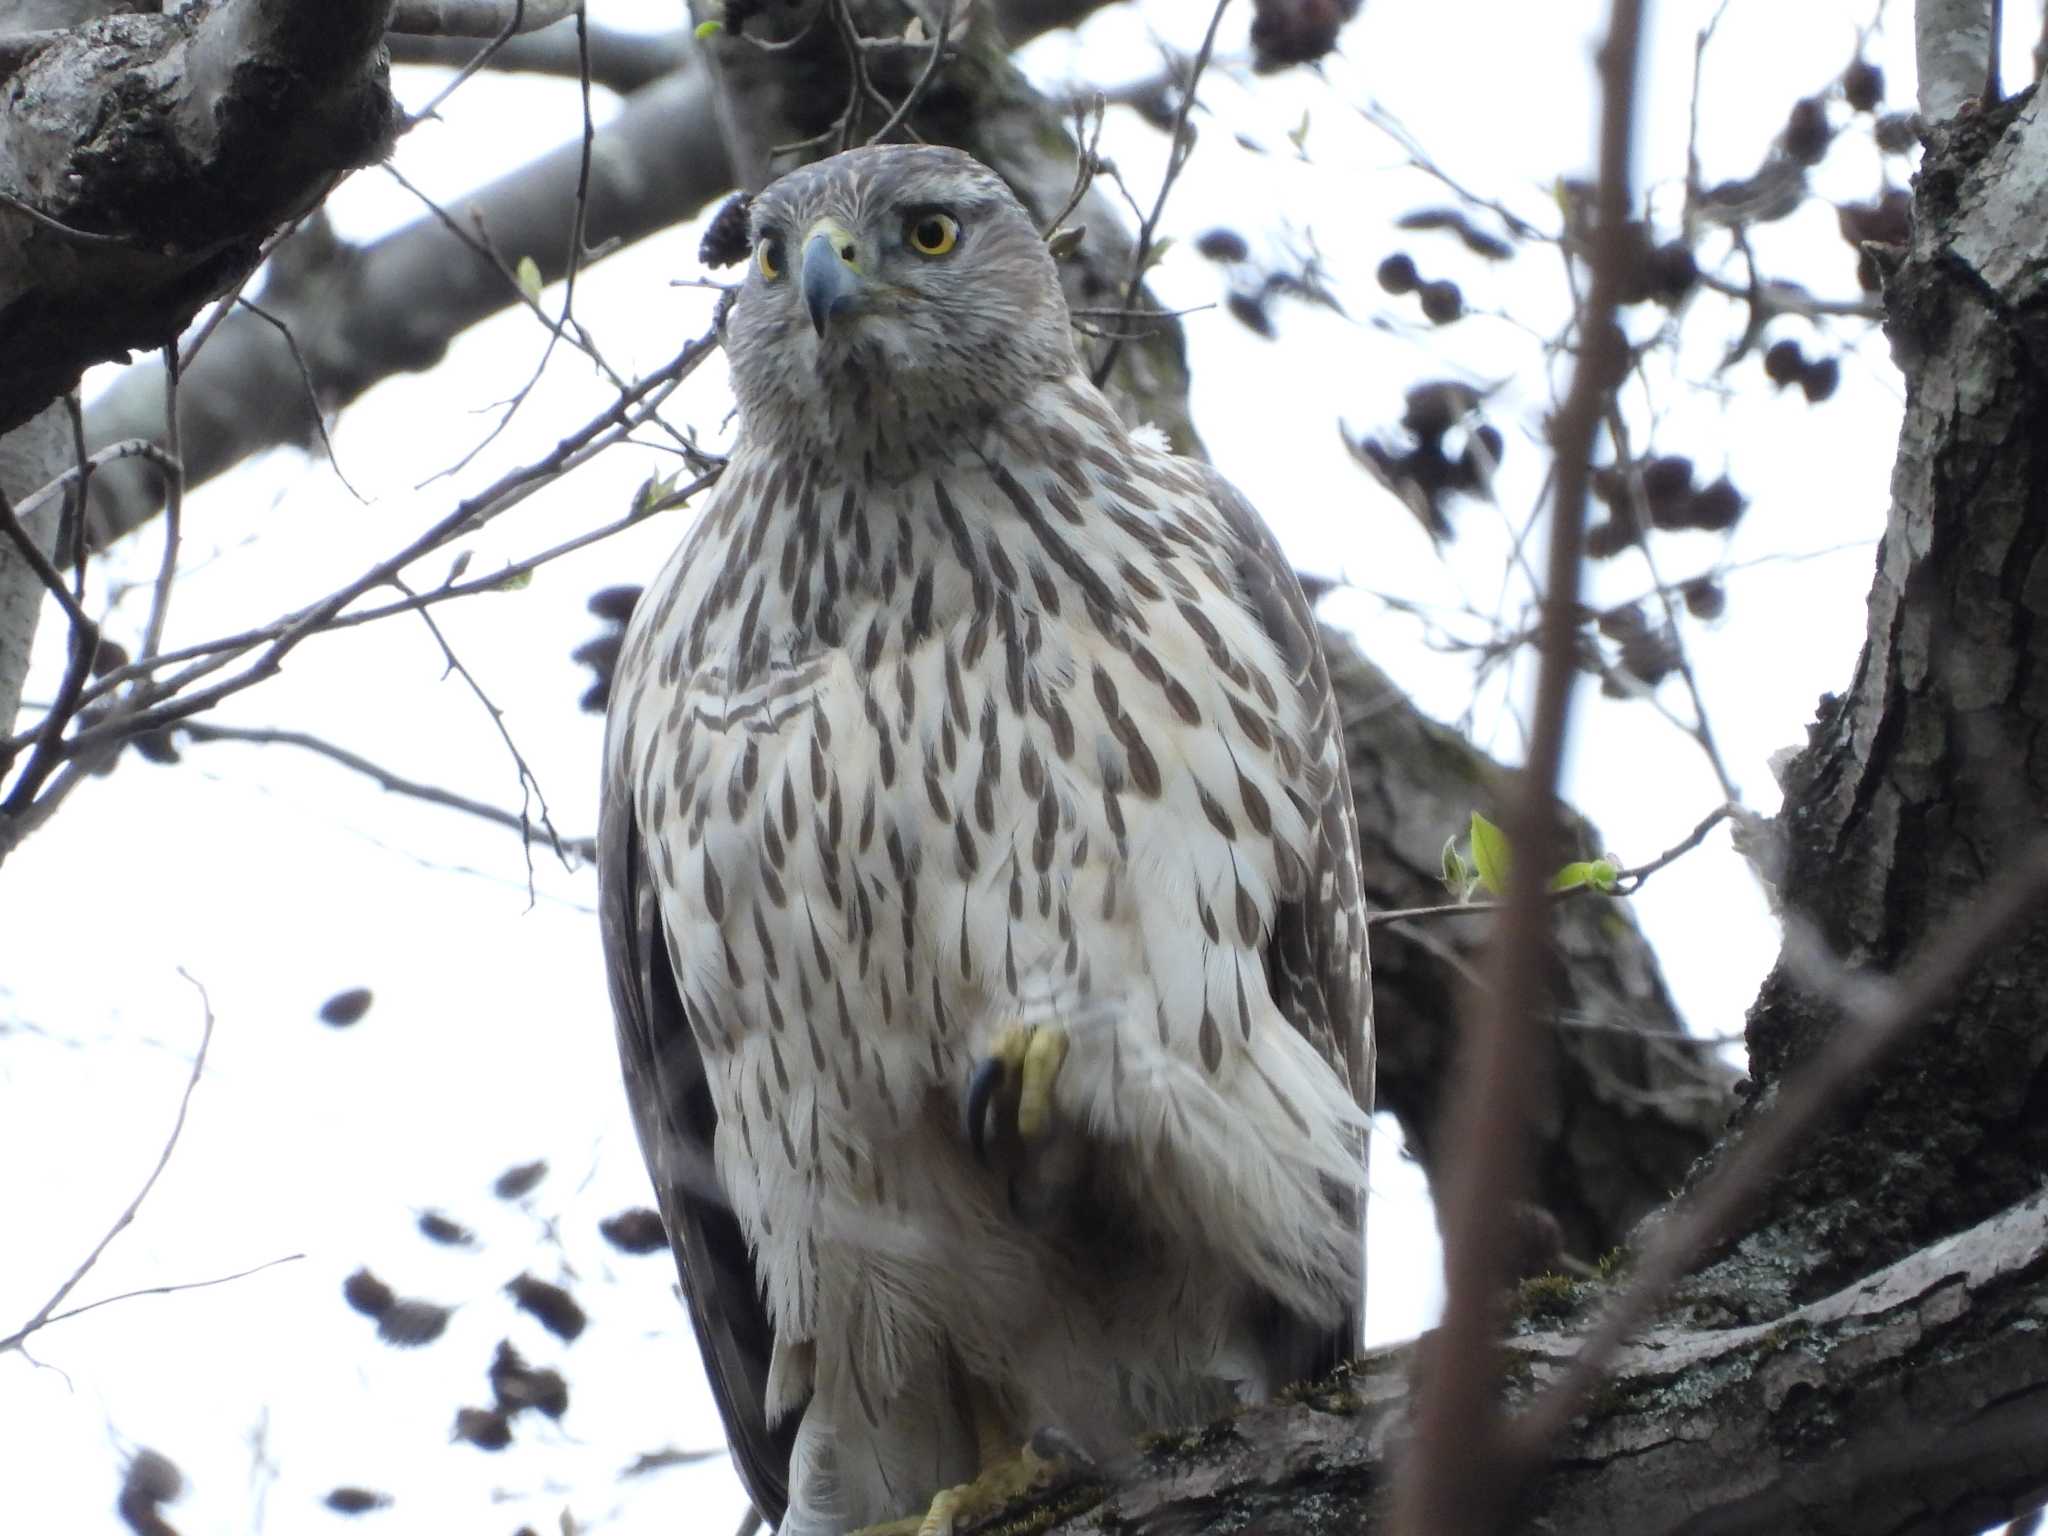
[(980, 885)]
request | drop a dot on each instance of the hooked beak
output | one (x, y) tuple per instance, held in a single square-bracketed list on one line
[(833, 282)]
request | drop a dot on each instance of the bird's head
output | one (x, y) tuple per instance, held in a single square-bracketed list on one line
[(894, 294)]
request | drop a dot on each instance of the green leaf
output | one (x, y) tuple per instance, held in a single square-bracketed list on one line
[(709, 29), (1457, 874), (528, 273), (1600, 874), (514, 581), (1490, 855)]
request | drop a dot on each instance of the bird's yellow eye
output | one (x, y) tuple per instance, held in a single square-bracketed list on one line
[(768, 256), (933, 234)]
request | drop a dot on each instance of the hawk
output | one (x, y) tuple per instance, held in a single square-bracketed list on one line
[(980, 885)]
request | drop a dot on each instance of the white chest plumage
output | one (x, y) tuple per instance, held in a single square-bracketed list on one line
[(916, 763)]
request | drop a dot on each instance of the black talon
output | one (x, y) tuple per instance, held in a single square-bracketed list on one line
[(982, 1087)]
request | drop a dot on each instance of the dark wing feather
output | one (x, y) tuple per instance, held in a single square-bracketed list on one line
[(1316, 962), (672, 1111)]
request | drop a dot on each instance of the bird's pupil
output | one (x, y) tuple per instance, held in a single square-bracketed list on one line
[(931, 232)]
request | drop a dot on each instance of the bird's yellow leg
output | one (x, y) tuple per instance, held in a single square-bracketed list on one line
[(1005, 1477)]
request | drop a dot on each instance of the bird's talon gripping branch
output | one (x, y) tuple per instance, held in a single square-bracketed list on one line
[(1048, 1463), (1015, 1080)]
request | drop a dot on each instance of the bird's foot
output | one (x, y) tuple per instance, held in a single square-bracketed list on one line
[(1047, 1464), (1010, 1093)]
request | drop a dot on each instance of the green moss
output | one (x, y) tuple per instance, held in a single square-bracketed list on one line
[(1548, 1298)]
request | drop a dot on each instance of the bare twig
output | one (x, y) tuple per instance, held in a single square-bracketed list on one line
[(529, 786), (622, 61), (1457, 1478), (495, 19), (1702, 728), (1877, 1016), (1087, 140), (171, 699), (21, 206), (174, 507), (514, 24), (931, 69), (1179, 148), (47, 1312), (1629, 881), (127, 448), (48, 734), (312, 389), (169, 1290), (206, 731)]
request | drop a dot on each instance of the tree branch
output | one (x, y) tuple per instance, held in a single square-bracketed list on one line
[(48, 1309), (619, 61), (1460, 1473), (395, 783), (147, 156), (1908, 1404)]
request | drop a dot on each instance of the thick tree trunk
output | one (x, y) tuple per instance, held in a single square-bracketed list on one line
[(148, 157), (1931, 766)]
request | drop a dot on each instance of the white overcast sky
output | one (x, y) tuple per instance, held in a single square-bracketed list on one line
[(276, 880)]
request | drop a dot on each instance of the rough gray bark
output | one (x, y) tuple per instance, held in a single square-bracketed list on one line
[(1931, 764), (149, 156), (1913, 1401), (1952, 46)]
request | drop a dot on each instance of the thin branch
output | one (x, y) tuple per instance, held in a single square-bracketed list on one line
[(21, 206), (166, 702), (46, 1313), (1087, 140), (1701, 729), (312, 389), (1877, 1016), (79, 473), (1629, 881), (174, 507), (529, 786), (395, 783), (48, 734), (513, 25), (621, 61), (1456, 1479), (168, 1290), (494, 19), (924, 80), (1626, 881), (1181, 146)]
